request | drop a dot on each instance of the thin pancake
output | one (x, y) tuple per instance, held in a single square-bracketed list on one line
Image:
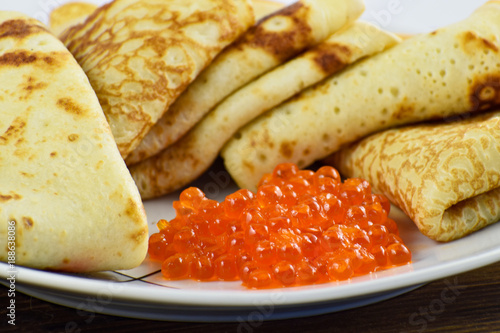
[(140, 55), (63, 182), (190, 156), (274, 40), (445, 177), (450, 71)]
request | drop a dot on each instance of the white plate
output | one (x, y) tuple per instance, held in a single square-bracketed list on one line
[(142, 293)]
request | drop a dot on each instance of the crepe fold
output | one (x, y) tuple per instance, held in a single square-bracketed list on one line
[(444, 176), (450, 71), (67, 200), (140, 55), (190, 156), (271, 42)]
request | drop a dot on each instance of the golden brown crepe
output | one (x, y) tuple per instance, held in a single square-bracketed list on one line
[(445, 176), (450, 71), (63, 183), (190, 156), (68, 15), (274, 40), (140, 55)]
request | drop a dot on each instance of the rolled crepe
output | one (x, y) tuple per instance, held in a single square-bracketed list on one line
[(274, 40), (140, 55), (67, 200), (450, 71), (190, 156), (445, 177)]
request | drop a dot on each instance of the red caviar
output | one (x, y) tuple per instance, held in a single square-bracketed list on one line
[(301, 227)]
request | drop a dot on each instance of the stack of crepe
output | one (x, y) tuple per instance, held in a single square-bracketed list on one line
[(169, 135), (444, 73), (188, 157), (271, 42), (445, 176), (282, 54)]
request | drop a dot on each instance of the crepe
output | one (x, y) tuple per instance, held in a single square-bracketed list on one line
[(274, 40), (64, 187), (140, 55), (450, 71), (68, 15), (445, 176), (189, 157)]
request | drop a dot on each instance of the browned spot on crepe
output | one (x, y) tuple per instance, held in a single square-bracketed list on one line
[(10, 196), (472, 43), (404, 111), (331, 57), (286, 149), (69, 105), (19, 29), (28, 222), (14, 131), (278, 43), (485, 92)]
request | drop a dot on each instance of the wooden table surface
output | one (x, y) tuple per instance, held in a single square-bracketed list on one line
[(469, 302)]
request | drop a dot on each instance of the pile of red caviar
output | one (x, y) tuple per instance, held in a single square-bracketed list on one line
[(301, 227)]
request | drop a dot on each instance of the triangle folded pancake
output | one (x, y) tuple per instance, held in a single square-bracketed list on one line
[(67, 200), (445, 176), (450, 71), (271, 42), (140, 55), (191, 155)]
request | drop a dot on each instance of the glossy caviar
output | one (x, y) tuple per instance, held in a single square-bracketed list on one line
[(301, 227)]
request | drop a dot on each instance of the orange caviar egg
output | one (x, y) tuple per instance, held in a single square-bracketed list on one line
[(300, 227)]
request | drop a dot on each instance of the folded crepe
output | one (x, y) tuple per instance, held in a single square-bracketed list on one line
[(68, 15), (449, 71), (67, 200), (445, 176), (190, 156), (140, 55), (274, 40)]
